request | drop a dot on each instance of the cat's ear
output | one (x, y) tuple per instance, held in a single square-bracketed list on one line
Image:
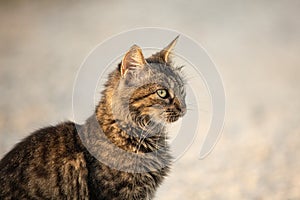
[(165, 54), (134, 58)]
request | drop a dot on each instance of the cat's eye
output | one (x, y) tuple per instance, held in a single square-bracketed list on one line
[(162, 93)]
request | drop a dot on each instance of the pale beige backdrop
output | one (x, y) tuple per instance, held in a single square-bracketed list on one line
[(256, 45)]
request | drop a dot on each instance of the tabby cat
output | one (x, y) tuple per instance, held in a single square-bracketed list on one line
[(119, 153)]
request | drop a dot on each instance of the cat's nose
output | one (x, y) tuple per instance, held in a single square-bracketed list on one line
[(183, 108), (180, 106), (182, 111)]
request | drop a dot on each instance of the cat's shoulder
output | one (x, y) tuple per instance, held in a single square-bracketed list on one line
[(59, 140), (52, 135)]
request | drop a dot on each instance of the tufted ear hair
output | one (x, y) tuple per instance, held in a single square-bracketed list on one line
[(134, 58), (165, 54)]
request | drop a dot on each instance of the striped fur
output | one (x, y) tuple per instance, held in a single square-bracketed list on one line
[(119, 153)]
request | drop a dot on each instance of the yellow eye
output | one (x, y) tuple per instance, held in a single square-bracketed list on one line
[(162, 93)]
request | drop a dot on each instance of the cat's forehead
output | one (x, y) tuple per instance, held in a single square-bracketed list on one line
[(166, 75)]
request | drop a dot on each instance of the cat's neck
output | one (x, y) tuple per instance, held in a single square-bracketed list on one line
[(149, 153), (122, 131)]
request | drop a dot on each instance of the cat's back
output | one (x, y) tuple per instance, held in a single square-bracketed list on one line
[(45, 164)]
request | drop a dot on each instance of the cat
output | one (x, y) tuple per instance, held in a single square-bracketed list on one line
[(119, 153)]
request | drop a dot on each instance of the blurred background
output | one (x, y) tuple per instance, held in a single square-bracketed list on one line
[(255, 45)]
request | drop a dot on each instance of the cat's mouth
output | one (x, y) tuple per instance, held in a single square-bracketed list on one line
[(171, 115), (164, 118), (170, 118), (157, 118)]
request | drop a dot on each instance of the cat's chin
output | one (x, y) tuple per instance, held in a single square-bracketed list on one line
[(172, 120), (165, 121)]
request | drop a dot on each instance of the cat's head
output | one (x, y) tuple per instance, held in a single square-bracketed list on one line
[(151, 90)]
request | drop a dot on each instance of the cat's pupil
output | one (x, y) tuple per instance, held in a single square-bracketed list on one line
[(162, 93)]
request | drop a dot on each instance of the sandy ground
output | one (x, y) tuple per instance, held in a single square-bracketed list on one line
[(255, 44)]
